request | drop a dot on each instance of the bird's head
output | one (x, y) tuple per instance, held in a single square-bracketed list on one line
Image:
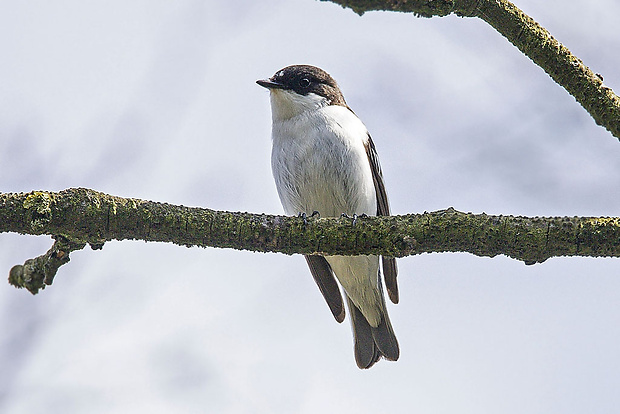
[(300, 88)]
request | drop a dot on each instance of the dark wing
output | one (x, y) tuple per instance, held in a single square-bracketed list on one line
[(324, 278), (390, 272)]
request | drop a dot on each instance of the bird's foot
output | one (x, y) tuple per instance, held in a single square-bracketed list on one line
[(354, 217), (305, 216)]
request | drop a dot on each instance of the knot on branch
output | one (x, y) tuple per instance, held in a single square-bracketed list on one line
[(39, 272)]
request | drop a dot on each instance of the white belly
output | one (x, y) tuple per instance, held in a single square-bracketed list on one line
[(320, 164)]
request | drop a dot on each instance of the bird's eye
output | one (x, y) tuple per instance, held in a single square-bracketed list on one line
[(304, 82)]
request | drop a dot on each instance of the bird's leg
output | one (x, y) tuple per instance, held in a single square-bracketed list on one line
[(354, 222), (305, 216)]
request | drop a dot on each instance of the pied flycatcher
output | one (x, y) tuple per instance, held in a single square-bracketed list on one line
[(324, 160)]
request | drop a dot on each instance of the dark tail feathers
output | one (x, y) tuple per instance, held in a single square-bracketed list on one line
[(372, 343)]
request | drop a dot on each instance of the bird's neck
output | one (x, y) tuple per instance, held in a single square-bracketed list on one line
[(286, 105)]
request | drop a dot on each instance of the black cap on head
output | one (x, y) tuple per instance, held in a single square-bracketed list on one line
[(305, 79)]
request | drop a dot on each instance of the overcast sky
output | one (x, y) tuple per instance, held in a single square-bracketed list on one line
[(157, 100)]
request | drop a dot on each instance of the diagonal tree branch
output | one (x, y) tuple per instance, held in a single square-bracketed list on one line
[(78, 216), (530, 38)]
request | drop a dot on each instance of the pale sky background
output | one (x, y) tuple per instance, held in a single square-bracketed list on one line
[(157, 100)]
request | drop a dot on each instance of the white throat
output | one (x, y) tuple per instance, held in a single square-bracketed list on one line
[(287, 104)]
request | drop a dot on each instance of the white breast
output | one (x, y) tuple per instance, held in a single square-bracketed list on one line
[(319, 160)]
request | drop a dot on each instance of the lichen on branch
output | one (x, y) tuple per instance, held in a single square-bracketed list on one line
[(78, 216), (39, 272)]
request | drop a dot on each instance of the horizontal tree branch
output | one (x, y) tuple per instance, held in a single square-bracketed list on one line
[(530, 38), (78, 216)]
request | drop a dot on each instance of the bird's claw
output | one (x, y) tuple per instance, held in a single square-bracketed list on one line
[(354, 217), (305, 216)]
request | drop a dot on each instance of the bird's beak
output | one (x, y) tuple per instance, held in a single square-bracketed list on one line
[(269, 84)]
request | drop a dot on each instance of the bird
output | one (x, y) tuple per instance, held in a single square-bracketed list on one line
[(324, 160)]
